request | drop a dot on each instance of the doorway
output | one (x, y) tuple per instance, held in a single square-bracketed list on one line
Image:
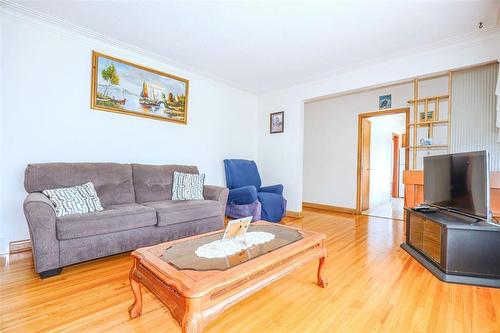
[(382, 158)]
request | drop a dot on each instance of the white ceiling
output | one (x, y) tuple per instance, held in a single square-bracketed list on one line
[(262, 46)]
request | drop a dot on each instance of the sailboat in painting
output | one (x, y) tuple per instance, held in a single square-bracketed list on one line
[(145, 100)]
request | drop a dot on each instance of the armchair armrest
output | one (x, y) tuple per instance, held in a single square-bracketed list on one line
[(41, 217), (243, 195), (217, 193), (278, 189)]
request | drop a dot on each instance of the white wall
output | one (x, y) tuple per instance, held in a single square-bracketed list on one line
[(47, 118), (381, 155), (330, 143), (3, 240), (280, 157), (330, 140)]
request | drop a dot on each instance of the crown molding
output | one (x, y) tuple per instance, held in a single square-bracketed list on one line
[(35, 17)]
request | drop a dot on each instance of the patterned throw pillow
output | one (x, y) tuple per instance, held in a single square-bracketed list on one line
[(78, 199), (187, 186)]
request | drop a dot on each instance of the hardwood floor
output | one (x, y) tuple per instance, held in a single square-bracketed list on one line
[(374, 286), (393, 209)]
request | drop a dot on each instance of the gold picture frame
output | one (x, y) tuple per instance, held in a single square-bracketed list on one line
[(120, 86)]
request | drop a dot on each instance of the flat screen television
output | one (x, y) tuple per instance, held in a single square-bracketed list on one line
[(458, 182)]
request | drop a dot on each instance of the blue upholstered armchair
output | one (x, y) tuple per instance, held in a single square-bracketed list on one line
[(247, 196)]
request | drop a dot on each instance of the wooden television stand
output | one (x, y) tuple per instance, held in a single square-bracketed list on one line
[(455, 248)]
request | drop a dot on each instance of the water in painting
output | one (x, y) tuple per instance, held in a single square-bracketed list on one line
[(126, 87)]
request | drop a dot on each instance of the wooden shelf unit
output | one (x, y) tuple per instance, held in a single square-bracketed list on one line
[(427, 121), (434, 122), (428, 98)]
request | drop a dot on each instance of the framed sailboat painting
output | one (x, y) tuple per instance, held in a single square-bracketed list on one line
[(123, 87)]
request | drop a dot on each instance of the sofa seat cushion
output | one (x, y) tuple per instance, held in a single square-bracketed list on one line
[(172, 212), (111, 219)]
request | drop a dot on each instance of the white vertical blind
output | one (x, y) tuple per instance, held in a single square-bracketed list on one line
[(497, 93), (473, 112)]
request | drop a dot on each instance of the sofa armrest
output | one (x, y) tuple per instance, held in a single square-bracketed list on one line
[(217, 193), (41, 217), (278, 189)]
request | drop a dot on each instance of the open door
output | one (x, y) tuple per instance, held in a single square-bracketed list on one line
[(366, 128), (395, 166)]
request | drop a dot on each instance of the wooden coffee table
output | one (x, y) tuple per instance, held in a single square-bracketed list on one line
[(196, 290)]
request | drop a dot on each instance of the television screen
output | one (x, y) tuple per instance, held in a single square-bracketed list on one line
[(458, 182)]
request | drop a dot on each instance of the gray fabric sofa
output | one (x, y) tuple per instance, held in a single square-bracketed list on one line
[(137, 211)]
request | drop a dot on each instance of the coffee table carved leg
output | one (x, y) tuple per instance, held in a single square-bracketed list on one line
[(192, 321), (322, 281), (135, 310)]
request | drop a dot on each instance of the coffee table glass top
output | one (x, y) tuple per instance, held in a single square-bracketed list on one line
[(182, 256)]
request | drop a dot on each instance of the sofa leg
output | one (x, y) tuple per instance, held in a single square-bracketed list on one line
[(51, 272)]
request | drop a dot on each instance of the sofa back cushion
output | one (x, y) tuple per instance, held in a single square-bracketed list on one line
[(154, 182), (112, 181)]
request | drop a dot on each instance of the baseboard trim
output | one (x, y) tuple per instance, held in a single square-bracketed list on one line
[(19, 246), (293, 213), (329, 208)]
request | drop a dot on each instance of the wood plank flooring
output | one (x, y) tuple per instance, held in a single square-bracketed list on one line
[(374, 286), (392, 209)]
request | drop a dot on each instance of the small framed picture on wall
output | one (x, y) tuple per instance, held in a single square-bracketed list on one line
[(384, 102), (277, 122)]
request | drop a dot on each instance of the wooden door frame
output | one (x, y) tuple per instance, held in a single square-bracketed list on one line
[(361, 116)]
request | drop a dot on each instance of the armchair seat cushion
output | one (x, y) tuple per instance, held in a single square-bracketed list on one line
[(173, 212), (112, 219)]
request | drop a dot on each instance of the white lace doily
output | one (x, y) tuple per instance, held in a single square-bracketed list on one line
[(224, 248)]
